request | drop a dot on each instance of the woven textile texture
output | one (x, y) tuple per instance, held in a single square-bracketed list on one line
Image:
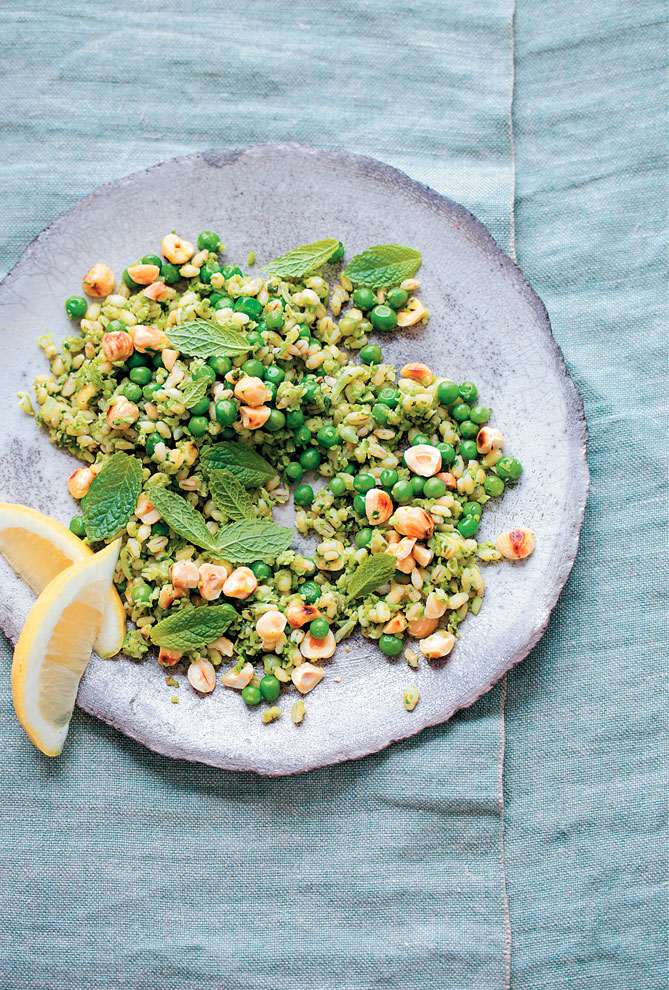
[(125, 871)]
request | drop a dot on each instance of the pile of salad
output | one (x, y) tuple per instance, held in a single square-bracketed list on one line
[(199, 396)]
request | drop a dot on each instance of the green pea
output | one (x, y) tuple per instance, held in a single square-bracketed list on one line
[(270, 687), (200, 408), (169, 273), (447, 453), (302, 436), (389, 477), (468, 429), (254, 368), (132, 391), (460, 412), (311, 390), (276, 421), (434, 488), (311, 592), (359, 505), (275, 319), (198, 425), (142, 375), (261, 570), (211, 268), (228, 271), (480, 414), (337, 486), (129, 281), (403, 492), (274, 374), (254, 339), (303, 495), (160, 528), (468, 451), (363, 483), (248, 305), (418, 484), (319, 628), (388, 396), (141, 594), (362, 537), (396, 298), (371, 354), (310, 459), (77, 526), (225, 302), (304, 332), (294, 418), (293, 472), (472, 509), (138, 361), (328, 437), (348, 325), (220, 365), (204, 371), (349, 469), (151, 259), (225, 411), (391, 645), (208, 241), (468, 526), (509, 468), (116, 326), (447, 392), (420, 438), (468, 391), (380, 413), (383, 318), (338, 253), (270, 388), (251, 695), (157, 360), (151, 442), (364, 298), (493, 485)]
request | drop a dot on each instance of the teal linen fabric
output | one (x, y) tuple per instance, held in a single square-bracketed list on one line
[(120, 869)]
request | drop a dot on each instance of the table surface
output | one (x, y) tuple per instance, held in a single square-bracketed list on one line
[(523, 843)]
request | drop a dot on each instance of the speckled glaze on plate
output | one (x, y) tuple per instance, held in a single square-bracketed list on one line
[(487, 325)]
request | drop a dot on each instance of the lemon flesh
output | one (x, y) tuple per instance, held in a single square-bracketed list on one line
[(55, 645), (38, 548)]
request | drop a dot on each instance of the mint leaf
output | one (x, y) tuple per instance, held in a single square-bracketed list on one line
[(244, 542), (241, 460), (383, 265), (303, 260), (191, 628), (180, 516), (195, 391), (112, 497), (205, 339), (373, 572), (229, 495)]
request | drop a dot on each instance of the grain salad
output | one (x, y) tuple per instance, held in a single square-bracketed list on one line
[(199, 397)]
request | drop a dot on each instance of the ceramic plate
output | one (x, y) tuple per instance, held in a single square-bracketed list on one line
[(486, 325)]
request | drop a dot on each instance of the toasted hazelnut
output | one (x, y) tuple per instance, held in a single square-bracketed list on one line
[(270, 625), (448, 479), (144, 274), (434, 607), (117, 346), (395, 625), (422, 555), (489, 439), (239, 680), (176, 250), (99, 281), (223, 645), (167, 658), (378, 506), (439, 644), (158, 291), (169, 356), (306, 677), (253, 417), (318, 649), (168, 594), (251, 391), (412, 521), (122, 414), (79, 482), (422, 627), (413, 313), (211, 581), (298, 614), (184, 574), (417, 372), (148, 338), (241, 583), (516, 544), (202, 676), (423, 459), (146, 511)]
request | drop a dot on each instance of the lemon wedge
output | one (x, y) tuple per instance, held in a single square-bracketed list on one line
[(55, 645), (38, 548)]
